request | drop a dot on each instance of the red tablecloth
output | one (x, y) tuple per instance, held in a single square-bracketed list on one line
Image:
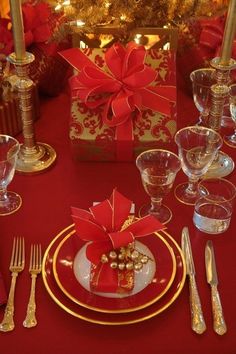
[(46, 210)]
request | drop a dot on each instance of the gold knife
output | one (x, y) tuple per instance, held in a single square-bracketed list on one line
[(212, 278), (198, 322)]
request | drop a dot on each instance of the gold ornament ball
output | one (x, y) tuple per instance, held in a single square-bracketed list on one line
[(129, 265), (113, 265), (104, 258), (112, 255)]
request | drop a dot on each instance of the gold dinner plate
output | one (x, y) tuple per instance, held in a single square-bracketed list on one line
[(112, 318), (63, 270)]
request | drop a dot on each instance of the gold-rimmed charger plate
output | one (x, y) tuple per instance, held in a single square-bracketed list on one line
[(107, 318), (64, 275)]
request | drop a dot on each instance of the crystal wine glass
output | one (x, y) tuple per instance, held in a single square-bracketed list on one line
[(9, 148), (158, 169), (202, 80), (197, 148), (231, 139)]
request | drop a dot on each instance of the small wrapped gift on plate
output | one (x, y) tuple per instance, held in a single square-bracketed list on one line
[(123, 101), (111, 250)]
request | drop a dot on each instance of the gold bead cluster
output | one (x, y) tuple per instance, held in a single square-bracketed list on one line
[(126, 258)]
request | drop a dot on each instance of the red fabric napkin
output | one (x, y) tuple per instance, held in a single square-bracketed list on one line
[(3, 294)]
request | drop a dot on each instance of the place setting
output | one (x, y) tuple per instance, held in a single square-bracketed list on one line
[(129, 284)]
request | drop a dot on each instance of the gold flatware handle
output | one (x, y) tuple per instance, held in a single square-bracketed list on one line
[(30, 319), (7, 323), (198, 322), (218, 317)]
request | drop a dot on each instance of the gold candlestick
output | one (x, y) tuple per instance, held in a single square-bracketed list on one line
[(33, 157), (223, 165)]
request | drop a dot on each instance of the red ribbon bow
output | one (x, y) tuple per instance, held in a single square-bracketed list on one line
[(123, 92), (36, 24), (103, 226)]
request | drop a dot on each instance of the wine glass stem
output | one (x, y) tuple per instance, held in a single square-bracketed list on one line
[(192, 185), (3, 195), (155, 205)]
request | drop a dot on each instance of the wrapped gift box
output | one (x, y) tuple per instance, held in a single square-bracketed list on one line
[(92, 139)]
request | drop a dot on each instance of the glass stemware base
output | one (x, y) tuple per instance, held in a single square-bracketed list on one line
[(222, 166), (11, 204), (184, 195), (164, 214), (230, 140)]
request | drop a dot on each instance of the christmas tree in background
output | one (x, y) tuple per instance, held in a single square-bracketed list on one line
[(135, 13)]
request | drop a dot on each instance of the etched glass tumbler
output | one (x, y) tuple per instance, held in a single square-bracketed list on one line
[(214, 206), (9, 148), (158, 169), (197, 148), (202, 80)]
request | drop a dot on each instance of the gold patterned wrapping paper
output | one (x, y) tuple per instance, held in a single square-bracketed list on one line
[(92, 140)]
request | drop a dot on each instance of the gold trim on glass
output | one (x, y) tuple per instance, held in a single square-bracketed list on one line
[(105, 310), (97, 321)]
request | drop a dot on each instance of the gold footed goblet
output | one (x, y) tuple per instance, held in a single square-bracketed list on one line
[(202, 80), (10, 201), (33, 157), (231, 139), (197, 148), (158, 169)]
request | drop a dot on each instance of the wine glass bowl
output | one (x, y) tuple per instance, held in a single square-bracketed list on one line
[(202, 80), (158, 169), (9, 148), (197, 147), (231, 139)]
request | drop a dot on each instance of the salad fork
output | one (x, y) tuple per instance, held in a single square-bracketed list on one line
[(17, 264), (35, 268)]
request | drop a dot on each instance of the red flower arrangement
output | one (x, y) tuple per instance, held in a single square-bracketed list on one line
[(48, 71)]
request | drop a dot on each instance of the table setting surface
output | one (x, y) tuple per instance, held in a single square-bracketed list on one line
[(47, 199)]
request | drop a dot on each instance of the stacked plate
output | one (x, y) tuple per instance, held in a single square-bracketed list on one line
[(62, 260)]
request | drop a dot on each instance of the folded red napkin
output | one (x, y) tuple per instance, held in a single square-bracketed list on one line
[(3, 294)]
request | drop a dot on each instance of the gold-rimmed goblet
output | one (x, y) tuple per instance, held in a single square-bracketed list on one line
[(9, 149), (197, 148), (158, 169), (202, 80), (231, 139)]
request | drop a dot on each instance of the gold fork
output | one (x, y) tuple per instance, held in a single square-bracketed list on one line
[(35, 268), (16, 266)]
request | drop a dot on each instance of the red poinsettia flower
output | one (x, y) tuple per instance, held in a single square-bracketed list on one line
[(36, 25), (6, 38)]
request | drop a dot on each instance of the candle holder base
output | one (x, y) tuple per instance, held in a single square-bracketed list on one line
[(36, 159), (222, 166)]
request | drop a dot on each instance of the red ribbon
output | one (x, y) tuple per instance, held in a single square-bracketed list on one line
[(123, 92), (103, 226)]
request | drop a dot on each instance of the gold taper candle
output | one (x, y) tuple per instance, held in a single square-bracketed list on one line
[(229, 33), (18, 29)]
